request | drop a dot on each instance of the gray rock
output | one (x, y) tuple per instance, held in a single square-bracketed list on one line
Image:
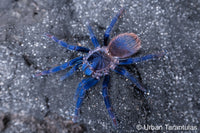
[(173, 80)]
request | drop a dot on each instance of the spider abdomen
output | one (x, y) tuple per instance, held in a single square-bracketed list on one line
[(124, 45)]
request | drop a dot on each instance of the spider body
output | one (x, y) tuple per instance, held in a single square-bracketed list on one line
[(99, 62)]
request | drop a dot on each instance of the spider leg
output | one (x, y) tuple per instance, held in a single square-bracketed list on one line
[(106, 99), (92, 37), (140, 59), (114, 20), (61, 67), (125, 73), (79, 88), (85, 85), (71, 71), (68, 46)]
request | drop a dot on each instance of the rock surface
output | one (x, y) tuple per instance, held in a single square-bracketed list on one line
[(45, 104)]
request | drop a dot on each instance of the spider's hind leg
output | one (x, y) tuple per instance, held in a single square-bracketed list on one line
[(141, 59), (125, 73), (107, 101), (85, 85)]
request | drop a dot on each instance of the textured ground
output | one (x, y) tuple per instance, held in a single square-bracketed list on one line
[(46, 104)]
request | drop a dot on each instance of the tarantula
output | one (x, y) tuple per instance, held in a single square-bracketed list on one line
[(99, 62)]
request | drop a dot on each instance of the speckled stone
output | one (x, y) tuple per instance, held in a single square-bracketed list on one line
[(173, 25)]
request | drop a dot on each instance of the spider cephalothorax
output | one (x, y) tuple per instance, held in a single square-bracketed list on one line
[(101, 60), (98, 62)]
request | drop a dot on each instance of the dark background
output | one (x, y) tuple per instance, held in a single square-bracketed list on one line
[(46, 104)]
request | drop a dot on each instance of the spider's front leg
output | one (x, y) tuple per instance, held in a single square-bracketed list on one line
[(125, 73), (61, 67), (106, 99), (71, 71), (114, 20), (85, 85), (68, 46)]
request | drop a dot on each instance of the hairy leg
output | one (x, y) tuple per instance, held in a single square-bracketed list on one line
[(85, 85), (107, 101), (61, 67), (114, 20), (68, 46), (92, 37), (140, 59), (125, 73), (71, 71)]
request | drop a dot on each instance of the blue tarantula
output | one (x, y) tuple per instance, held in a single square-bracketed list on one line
[(98, 62)]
